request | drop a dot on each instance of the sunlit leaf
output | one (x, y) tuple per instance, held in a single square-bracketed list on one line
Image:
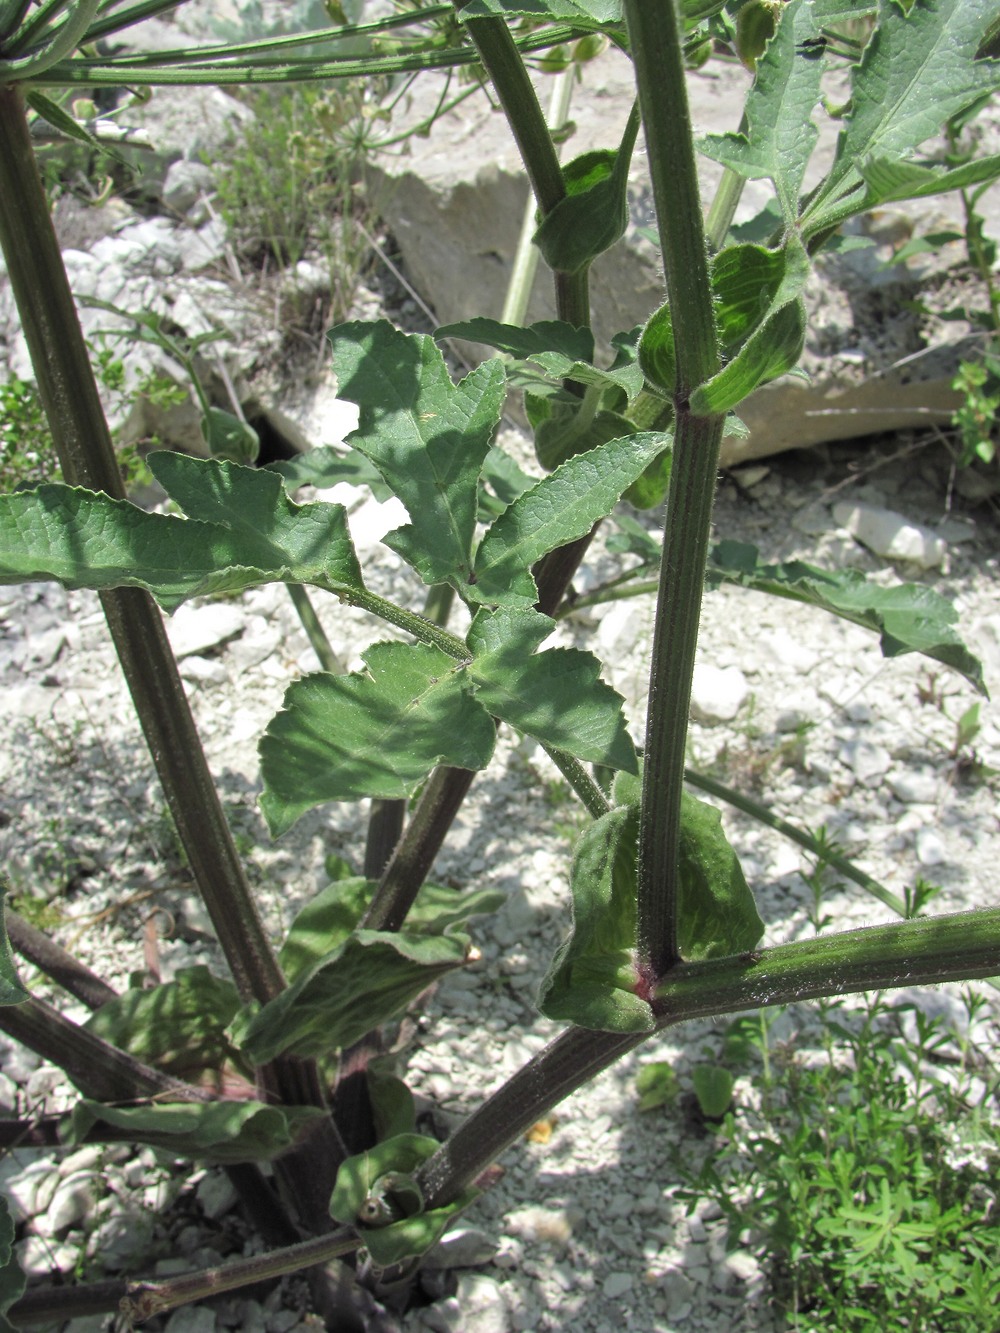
[(718, 916)]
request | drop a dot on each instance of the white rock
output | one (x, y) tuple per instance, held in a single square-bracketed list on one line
[(930, 848), (918, 787), (617, 1284), (867, 761), (551, 1226), (216, 1194), (370, 523), (203, 671), (184, 185), (191, 1319), (891, 535), (717, 693), (195, 629), (787, 651), (463, 1248), (73, 1201), (481, 1301)]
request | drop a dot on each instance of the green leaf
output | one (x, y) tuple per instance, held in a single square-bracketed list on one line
[(593, 980), (230, 438), (780, 134), (558, 509), (12, 1279), (909, 618), (393, 1107), (330, 918), (326, 466), (241, 531), (891, 181), (548, 335), (656, 1084), (762, 315), (224, 1132), (506, 481), (354, 988), (427, 436), (11, 990), (718, 916), (573, 429), (593, 214), (375, 733), (918, 69), (713, 1086), (556, 696), (378, 1185), (178, 1026)]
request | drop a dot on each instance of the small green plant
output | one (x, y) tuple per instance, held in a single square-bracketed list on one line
[(664, 926), (863, 1171)]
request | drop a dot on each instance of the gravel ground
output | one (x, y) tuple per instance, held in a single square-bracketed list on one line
[(583, 1231)]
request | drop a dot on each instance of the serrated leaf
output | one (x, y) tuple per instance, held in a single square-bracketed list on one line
[(573, 429), (354, 988), (242, 530), (326, 466), (223, 1132), (890, 181), (427, 436), (556, 696), (593, 979), (558, 509), (780, 134), (909, 617), (381, 1183), (918, 69), (593, 214), (375, 733), (329, 919), (11, 990), (178, 1026), (12, 1278), (548, 335), (773, 350), (718, 916)]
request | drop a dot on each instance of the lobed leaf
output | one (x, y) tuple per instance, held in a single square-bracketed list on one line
[(375, 733), (242, 530), (224, 1132), (918, 69), (909, 618), (354, 988), (179, 1026), (427, 436), (558, 509), (556, 696)]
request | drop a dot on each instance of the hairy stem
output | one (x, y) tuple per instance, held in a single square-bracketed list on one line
[(57, 963), (655, 42)]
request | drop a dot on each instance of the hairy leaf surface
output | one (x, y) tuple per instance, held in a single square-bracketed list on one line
[(427, 436), (376, 733), (718, 916), (224, 1132)]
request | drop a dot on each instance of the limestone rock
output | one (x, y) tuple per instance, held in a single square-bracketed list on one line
[(891, 535)]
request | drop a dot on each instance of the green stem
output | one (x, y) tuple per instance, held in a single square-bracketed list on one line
[(419, 626), (655, 42), (594, 800), (65, 39), (910, 953), (801, 837), (315, 632)]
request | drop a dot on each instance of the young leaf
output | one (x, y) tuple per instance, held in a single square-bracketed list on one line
[(556, 696), (593, 215), (378, 1185), (657, 1084), (178, 1026), (376, 733), (918, 69), (560, 508), (253, 534), (392, 1103), (12, 1278), (593, 981), (780, 134), (11, 990), (909, 618), (349, 991), (330, 918), (223, 1132), (427, 436), (718, 916)]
